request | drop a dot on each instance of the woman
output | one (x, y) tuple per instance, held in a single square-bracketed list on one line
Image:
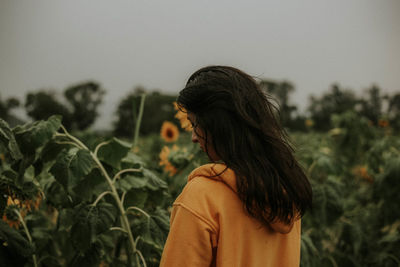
[(244, 208)]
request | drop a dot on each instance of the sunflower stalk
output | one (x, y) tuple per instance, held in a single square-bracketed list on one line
[(138, 121), (125, 225), (27, 234)]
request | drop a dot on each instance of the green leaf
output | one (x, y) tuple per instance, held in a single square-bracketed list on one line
[(161, 218), (89, 221), (56, 194), (7, 138), (65, 219), (154, 183), (308, 250), (107, 214), (131, 160), (49, 260), (158, 198), (91, 257), (145, 179), (8, 177), (51, 150), (128, 182), (136, 197), (14, 241), (40, 228), (20, 166), (113, 152), (386, 189), (90, 186), (71, 166), (153, 231), (31, 136), (327, 201)]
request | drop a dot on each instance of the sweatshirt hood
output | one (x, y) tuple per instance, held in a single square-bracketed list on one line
[(216, 171), (220, 172)]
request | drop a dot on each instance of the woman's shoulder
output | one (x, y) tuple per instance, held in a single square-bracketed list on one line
[(202, 182), (207, 188), (207, 170), (210, 173)]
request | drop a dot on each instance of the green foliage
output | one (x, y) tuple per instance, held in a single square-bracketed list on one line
[(83, 100), (104, 202), (14, 248), (6, 107), (113, 152), (336, 101), (33, 135), (8, 140), (371, 107), (157, 109), (352, 135), (88, 222), (70, 166), (89, 213), (393, 112), (281, 91), (354, 170), (41, 105)]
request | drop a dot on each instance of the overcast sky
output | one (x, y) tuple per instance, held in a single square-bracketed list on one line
[(52, 44)]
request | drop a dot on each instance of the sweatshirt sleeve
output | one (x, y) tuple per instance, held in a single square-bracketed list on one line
[(190, 240)]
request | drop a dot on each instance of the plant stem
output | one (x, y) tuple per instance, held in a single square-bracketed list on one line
[(100, 145), (142, 258), (124, 171), (100, 197), (124, 218), (73, 138), (138, 209), (138, 121), (28, 235), (118, 229), (68, 143)]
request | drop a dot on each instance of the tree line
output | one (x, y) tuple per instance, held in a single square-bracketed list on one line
[(80, 104)]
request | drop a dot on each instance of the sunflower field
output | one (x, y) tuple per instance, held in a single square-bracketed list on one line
[(78, 199)]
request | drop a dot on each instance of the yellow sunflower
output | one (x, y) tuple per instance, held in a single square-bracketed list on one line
[(169, 132), (383, 123), (24, 207), (12, 222), (164, 161), (181, 115), (309, 123), (362, 172)]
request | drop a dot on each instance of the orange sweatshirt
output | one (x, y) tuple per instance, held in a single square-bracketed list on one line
[(209, 227)]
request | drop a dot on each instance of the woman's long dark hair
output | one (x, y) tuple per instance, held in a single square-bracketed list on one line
[(231, 108)]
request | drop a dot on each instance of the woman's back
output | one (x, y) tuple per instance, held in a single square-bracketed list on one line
[(247, 215), (210, 227)]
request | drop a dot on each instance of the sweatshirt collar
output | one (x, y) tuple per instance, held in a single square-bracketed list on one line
[(216, 171)]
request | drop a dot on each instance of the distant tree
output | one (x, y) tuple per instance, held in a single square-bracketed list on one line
[(84, 99), (41, 105), (281, 91), (394, 111), (336, 101), (372, 106), (298, 122), (81, 112), (126, 113), (6, 108), (158, 107), (7, 105)]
